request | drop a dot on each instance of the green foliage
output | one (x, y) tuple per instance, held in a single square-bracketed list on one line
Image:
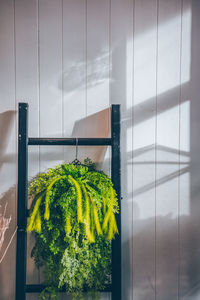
[(73, 219)]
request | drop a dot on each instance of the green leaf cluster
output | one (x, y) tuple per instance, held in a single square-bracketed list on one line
[(72, 216)]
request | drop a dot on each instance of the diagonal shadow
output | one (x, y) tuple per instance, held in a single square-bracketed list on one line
[(146, 110), (6, 121)]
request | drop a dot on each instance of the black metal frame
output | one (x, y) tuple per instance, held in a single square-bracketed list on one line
[(23, 142)]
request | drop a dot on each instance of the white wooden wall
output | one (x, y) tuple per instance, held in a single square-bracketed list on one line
[(71, 59)]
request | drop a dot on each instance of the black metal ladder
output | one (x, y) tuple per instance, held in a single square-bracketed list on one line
[(23, 142)]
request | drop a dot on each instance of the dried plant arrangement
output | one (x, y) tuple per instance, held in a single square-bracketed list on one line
[(4, 225)]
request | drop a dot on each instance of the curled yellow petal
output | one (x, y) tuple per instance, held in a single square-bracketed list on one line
[(68, 225), (38, 222), (104, 205), (47, 198), (79, 198), (32, 217), (115, 229), (112, 227), (47, 211), (96, 220), (109, 211), (88, 233), (92, 223)]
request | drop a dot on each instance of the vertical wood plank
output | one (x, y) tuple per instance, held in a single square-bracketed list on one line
[(97, 55), (184, 180), (74, 80), (97, 67), (167, 149), (191, 236), (50, 76), (27, 91), (121, 80), (7, 145), (144, 122), (97, 76)]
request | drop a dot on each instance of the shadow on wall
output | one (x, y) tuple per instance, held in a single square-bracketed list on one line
[(6, 123), (144, 239), (139, 271), (97, 72), (184, 169), (7, 266), (8, 160), (195, 148), (146, 110), (96, 125)]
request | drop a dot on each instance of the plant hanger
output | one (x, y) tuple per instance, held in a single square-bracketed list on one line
[(76, 162)]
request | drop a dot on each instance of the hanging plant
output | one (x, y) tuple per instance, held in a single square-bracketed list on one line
[(73, 218)]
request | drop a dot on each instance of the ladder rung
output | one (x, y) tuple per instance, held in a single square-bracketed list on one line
[(38, 288), (70, 141)]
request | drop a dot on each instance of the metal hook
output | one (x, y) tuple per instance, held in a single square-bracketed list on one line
[(76, 148), (76, 161)]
